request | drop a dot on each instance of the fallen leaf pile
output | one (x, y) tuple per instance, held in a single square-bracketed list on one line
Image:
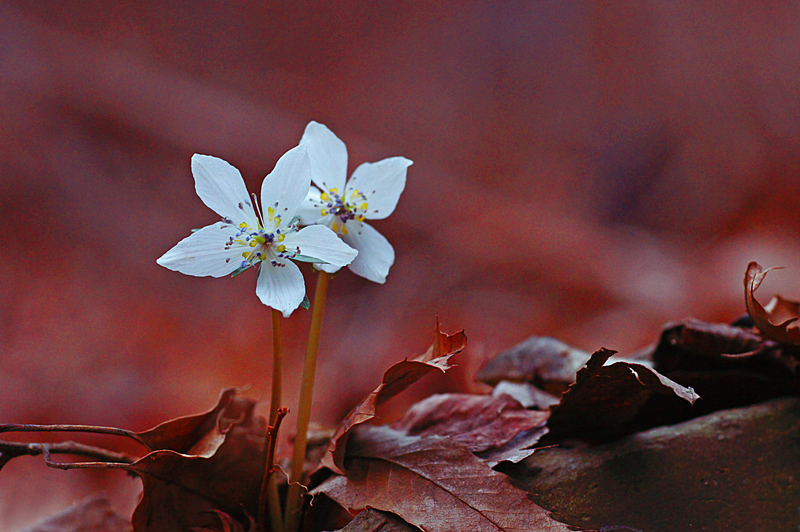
[(449, 463)]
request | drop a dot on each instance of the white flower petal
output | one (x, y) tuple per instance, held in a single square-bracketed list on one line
[(281, 287), (287, 185), (328, 156), (382, 183), (222, 188), (203, 253), (375, 253), (328, 268), (310, 210), (321, 243)]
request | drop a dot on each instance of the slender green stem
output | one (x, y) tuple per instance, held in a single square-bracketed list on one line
[(267, 495), (294, 499), (268, 498), (275, 509), (277, 367)]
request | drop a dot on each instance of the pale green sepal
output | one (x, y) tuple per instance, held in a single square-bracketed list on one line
[(237, 271), (304, 258)]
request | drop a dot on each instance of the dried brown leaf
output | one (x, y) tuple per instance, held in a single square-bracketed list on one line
[(494, 428), (545, 362), (779, 322), (610, 401), (432, 483), (781, 309), (207, 463), (396, 379), (196, 434)]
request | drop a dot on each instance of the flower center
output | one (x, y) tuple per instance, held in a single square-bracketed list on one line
[(344, 208), (259, 244)]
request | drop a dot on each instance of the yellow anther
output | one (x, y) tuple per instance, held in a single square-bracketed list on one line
[(335, 227), (253, 243), (281, 237), (334, 191), (281, 248), (271, 212), (344, 229), (245, 254), (363, 206), (243, 225), (354, 193), (324, 196), (324, 212), (360, 217)]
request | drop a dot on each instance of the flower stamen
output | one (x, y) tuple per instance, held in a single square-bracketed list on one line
[(261, 244), (343, 208)]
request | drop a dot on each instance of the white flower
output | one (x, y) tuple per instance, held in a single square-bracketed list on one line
[(370, 194), (247, 237)]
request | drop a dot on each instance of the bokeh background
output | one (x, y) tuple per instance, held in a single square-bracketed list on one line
[(585, 170)]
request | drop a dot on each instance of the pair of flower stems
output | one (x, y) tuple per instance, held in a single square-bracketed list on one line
[(288, 520)]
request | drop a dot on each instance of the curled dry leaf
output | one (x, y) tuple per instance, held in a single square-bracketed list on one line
[(432, 483), (545, 362), (197, 434), (607, 402), (205, 463), (396, 379), (494, 428), (778, 319)]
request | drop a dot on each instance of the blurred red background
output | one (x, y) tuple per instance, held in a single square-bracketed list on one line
[(582, 170)]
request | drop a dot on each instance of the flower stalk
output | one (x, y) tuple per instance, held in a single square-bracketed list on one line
[(293, 499), (277, 367), (269, 496)]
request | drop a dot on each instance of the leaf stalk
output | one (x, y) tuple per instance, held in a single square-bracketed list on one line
[(293, 499), (269, 496)]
